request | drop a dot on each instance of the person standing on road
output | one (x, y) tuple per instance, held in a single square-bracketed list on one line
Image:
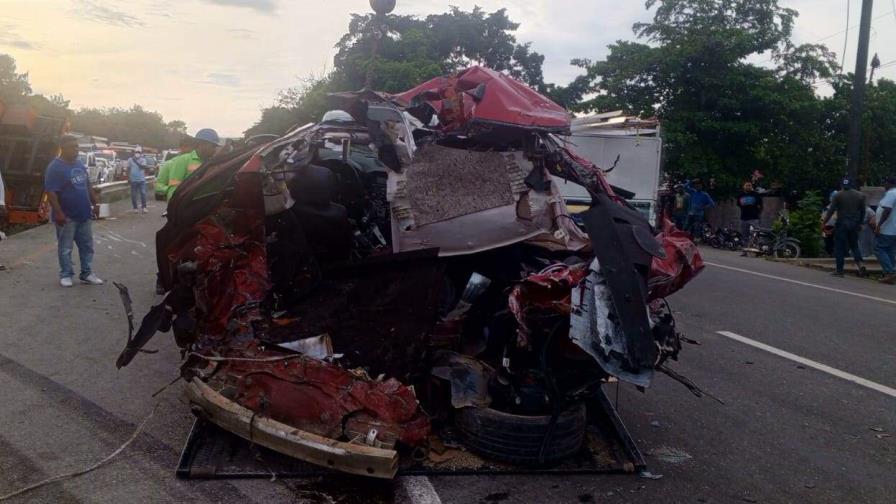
[(137, 179), (680, 206), (174, 172), (700, 202), (184, 147), (74, 204), (849, 205), (750, 203), (885, 232), (205, 145)]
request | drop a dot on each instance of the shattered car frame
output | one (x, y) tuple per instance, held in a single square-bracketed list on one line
[(347, 291)]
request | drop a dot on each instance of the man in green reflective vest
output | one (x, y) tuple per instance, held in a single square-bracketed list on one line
[(174, 172)]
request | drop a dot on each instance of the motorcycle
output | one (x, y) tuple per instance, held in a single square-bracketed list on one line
[(765, 242), (726, 238)]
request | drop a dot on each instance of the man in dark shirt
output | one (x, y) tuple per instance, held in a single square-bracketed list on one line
[(849, 205), (68, 189), (750, 203)]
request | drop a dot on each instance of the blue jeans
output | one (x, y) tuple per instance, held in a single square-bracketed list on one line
[(72, 233), (138, 188), (885, 249)]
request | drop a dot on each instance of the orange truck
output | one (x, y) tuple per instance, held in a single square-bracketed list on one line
[(28, 142)]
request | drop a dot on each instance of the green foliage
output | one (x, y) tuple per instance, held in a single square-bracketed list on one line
[(805, 225), (13, 85), (410, 50), (724, 117), (878, 126), (134, 125)]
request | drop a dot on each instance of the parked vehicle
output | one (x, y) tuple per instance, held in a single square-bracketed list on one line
[(152, 164), (28, 142), (628, 150), (168, 155), (726, 238), (771, 241), (105, 171), (702, 233)]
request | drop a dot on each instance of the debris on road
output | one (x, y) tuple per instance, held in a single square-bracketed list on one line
[(670, 455), (405, 269), (649, 475)]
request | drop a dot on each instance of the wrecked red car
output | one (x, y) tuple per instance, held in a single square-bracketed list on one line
[(349, 291)]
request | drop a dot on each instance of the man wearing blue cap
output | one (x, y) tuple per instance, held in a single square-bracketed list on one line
[(178, 169), (849, 205)]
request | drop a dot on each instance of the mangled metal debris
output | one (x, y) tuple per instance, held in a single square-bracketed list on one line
[(407, 267)]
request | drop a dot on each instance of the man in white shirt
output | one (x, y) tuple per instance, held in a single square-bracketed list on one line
[(885, 241)]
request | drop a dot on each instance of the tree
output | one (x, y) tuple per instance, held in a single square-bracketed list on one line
[(13, 85), (177, 126), (53, 105), (134, 125), (411, 51), (723, 117), (878, 126)]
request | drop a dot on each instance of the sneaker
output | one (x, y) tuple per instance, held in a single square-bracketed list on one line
[(888, 279), (144, 210), (66, 281), (133, 210), (91, 279)]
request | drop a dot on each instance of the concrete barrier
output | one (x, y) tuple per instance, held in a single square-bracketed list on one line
[(111, 192)]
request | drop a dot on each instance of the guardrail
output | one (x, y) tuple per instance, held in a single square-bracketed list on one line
[(120, 189)]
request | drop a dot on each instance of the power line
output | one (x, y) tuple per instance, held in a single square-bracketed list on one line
[(846, 37), (822, 39)]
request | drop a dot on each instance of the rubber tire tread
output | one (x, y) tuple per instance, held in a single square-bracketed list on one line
[(517, 439)]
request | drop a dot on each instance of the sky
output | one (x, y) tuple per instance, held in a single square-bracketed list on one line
[(216, 63)]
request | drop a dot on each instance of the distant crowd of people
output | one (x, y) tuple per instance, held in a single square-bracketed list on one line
[(842, 221)]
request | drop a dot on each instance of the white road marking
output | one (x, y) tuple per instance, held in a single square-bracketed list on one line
[(883, 389), (807, 284), (118, 237), (416, 490)]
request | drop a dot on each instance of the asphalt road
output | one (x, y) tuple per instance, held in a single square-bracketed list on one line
[(787, 432)]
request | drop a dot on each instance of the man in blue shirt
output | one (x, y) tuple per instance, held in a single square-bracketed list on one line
[(700, 202), (68, 189), (137, 178)]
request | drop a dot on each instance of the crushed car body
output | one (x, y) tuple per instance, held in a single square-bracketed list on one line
[(346, 292)]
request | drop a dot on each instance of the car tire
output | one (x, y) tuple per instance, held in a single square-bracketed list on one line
[(518, 439)]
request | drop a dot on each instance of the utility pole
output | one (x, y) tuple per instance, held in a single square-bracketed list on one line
[(854, 146), (380, 9)]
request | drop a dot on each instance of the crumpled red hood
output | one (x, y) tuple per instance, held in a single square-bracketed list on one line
[(480, 94)]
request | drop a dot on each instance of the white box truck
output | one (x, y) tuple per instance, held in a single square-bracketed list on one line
[(630, 148)]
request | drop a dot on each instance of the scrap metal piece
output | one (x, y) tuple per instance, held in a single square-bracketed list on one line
[(316, 347), (627, 286), (157, 316), (595, 328), (347, 457), (469, 379)]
